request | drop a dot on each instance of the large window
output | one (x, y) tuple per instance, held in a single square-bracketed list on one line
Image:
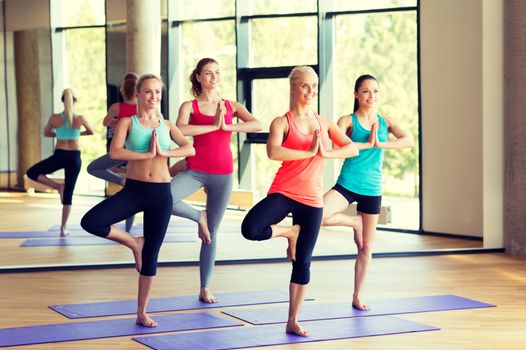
[(384, 45)]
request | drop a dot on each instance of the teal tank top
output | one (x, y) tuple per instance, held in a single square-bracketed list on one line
[(66, 131), (363, 174), (138, 139)]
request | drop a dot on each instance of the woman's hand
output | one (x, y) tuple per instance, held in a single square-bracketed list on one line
[(219, 120), (315, 144), (373, 136), (377, 142), (154, 144)]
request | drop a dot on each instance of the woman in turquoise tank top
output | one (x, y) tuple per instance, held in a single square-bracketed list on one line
[(66, 128), (360, 178), (147, 189)]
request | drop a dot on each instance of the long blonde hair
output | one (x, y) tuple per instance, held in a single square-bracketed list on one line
[(295, 75), (69, 99)]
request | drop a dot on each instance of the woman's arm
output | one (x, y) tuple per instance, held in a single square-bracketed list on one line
[(250, 123), (185, 149), (403, 139), (112, 117), (275, 150), (183, 120), (88, 129), (117, 150), (345, 148), (48, 129)]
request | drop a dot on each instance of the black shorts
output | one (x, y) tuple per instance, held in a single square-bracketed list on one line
[(366, 204)]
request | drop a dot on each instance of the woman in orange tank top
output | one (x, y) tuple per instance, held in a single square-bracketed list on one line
[(300, 140)]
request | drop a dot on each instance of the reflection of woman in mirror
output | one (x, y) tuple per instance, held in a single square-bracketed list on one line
[(209, 119), (299, 139), (66, 128), (103, 167), (360, 178), (147, 138)]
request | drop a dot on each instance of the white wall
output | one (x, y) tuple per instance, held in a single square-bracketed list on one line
[(461, 84)]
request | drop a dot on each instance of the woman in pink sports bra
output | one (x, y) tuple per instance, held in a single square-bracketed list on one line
[(300, 140), (210, 120)]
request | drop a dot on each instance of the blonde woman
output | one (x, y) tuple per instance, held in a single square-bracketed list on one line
[(66, 127)]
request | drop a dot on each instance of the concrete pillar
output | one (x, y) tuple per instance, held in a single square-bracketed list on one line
[(515, 127), (28, 101), (143, 36)]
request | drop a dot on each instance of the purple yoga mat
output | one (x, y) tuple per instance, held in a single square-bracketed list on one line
[(247, 337), (188, 302), (310, 312), (94, 240), (52, 333)]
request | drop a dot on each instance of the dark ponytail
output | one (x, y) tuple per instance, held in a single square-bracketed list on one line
[(196, 88), (357, 85)]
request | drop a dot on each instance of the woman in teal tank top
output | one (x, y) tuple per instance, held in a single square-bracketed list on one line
[(360, 178), (66, 128)]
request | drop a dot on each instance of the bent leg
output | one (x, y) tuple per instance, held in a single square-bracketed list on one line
[(101, 168)]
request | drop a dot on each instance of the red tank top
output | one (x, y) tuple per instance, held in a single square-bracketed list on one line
[(212, 150), (301, 180), (127, 110)]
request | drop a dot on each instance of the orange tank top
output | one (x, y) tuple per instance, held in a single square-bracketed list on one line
[(301, 180)]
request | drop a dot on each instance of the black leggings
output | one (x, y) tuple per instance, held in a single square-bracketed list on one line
[(61, 159), (154, 199), (270, 211)]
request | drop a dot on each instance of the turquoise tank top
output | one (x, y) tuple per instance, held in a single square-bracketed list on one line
[(66, 131), (138, 139), (363, 174)]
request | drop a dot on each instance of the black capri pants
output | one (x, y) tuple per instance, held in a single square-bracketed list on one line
[(270, 211), (154, 199), (61, 159)]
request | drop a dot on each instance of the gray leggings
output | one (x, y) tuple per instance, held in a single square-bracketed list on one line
[(218, 190), (101, 168)]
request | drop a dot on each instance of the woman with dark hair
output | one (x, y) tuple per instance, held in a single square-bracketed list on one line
[(299, 139), (360, 178), (147, 137), (66, 127), (209, 119), (102, 167)]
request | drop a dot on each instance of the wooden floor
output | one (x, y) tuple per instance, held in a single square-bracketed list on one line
[(492, 278), (39, 212)]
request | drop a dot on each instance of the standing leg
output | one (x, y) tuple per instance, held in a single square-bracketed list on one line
[(72, 164), (156, 218), (309, 218), (218, 192), (364, 258)]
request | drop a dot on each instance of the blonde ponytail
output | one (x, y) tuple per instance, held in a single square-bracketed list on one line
[(68, 98)]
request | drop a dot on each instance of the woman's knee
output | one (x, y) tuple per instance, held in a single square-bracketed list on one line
[(33, 173), (300, 273), (252, 231), (89, 224)]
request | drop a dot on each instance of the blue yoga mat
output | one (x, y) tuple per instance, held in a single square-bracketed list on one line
[(52, 333), (310, 312), (246, 337), (77, 227), (187, 302), (94, 240), (30, 234)]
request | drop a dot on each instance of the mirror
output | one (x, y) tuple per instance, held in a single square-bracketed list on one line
[(42, 211)]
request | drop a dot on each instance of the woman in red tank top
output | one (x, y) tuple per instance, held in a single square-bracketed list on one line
[(299, 139), (209, 119)]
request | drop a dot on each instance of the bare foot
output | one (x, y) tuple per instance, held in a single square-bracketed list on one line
[(64, 232), (203, 232), (358, 232), (206, 296), (60, 190), (137, 252), (293, 238), (145, 321), (358, 305), (295, 328)]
